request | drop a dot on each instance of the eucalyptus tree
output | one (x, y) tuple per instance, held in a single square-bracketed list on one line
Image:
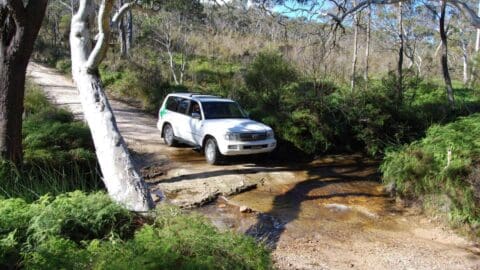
[(20, 23), (123, 181)]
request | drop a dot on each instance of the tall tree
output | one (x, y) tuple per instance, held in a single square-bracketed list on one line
[(125, 29), (123, 182), (400, 54), (444, 58), (477, 48), (464, 46), (355, 49), (20, 22), (367, 43)]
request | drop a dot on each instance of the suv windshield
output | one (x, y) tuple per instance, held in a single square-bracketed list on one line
[(222, 109)]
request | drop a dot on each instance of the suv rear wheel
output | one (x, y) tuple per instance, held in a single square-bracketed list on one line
[(168, 135), (212, 154)]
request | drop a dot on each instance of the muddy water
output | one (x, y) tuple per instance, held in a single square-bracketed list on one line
[(342, 192), (334, 213)]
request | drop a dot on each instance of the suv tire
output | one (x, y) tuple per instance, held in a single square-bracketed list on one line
[(212, 154), (168, 135)]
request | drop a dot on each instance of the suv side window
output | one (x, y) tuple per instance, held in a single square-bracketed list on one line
[(194, 108), (183, 106), (172, 103)]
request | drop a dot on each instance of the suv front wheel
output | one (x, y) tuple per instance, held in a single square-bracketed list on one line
[(212, 154)]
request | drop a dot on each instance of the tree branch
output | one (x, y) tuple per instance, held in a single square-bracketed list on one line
[(103, 36), (339, 18), (467, 11), (118, 16), (17, 10), (83, 11), (66, 5)]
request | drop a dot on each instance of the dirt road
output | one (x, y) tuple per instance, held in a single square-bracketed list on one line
[(329, 214)]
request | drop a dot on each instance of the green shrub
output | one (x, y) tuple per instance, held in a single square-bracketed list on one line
[(54, 142), (35, 100), (76, 230), (16, 215), (181, 241), (58, 153), (77, 217), (269, 72), (64, 66), (56, 253), (425, 167), (134, 82)]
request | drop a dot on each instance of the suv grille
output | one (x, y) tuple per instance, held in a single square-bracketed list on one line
[(257, 136)]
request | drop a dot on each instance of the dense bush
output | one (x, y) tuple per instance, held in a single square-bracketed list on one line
[(76, 230), (319, 116), (440, 164), (131, 81), (58, 153)]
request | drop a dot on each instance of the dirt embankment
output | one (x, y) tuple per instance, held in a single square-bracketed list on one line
[(329, 214)]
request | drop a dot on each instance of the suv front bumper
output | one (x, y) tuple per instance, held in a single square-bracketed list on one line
[(234, 148)]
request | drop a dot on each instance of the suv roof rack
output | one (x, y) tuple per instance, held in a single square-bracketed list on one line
[(203, 96), (197, 95)]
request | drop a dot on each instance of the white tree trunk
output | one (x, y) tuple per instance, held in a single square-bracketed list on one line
[(477, 48), (367, 45), (477, 43), (355, 51), (419, 64), (464, 46), (123, 182)]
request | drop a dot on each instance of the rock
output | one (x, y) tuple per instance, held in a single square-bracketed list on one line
[(391, 188), (155, 197), (244, 209)]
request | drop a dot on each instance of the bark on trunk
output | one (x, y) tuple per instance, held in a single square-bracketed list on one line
[(125, 30), (19, 26), (123, 182), (12, 89), (444, 58), (129, 29)]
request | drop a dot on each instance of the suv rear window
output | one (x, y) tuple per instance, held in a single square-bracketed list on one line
[(177, 104), (172, 103)]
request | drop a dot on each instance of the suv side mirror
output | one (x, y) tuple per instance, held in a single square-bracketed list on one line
[(196, 116)]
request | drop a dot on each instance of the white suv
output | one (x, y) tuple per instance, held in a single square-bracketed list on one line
[(218, 126)]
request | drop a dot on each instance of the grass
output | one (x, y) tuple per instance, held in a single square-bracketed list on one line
[(79, 230), (58, 153)]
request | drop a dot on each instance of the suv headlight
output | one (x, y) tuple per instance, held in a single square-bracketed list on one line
[(270, 134), (232, 136)]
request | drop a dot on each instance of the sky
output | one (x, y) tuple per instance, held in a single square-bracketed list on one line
[(290, 8)]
